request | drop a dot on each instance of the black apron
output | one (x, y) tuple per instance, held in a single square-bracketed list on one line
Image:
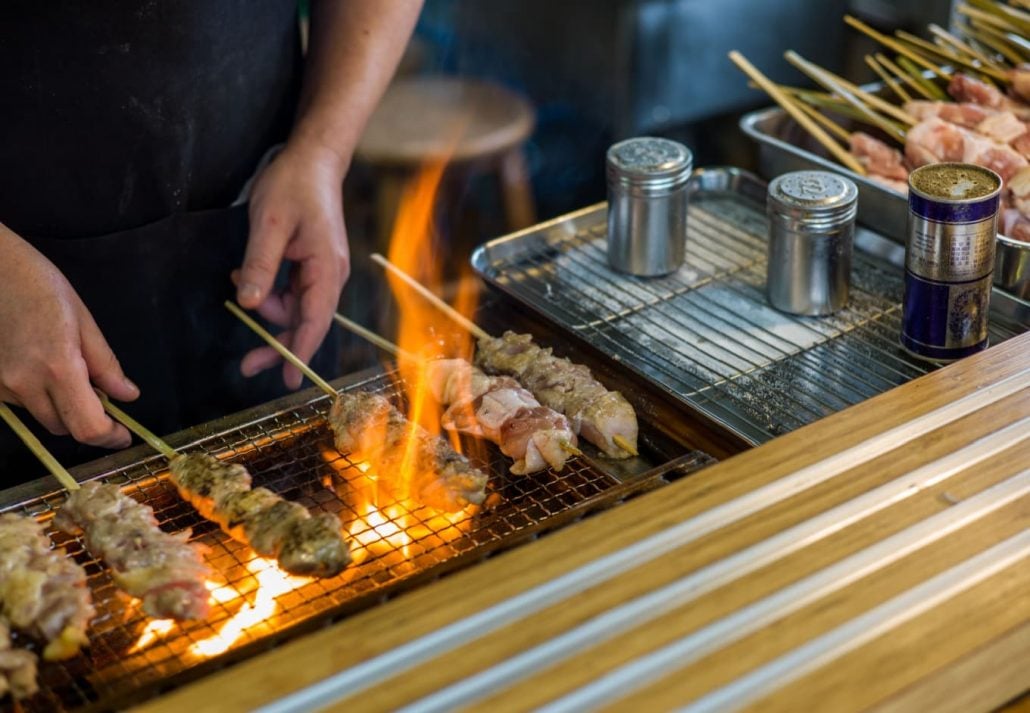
[(128, 129)]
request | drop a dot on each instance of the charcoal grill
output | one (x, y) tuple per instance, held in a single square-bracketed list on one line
[(288, 448)]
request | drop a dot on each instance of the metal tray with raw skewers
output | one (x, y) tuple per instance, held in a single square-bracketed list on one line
[(961, 97)]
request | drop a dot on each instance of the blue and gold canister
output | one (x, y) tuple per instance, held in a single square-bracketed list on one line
[(949, 259)]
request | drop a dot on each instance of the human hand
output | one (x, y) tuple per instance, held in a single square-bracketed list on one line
[(51, 350), (296, 213)]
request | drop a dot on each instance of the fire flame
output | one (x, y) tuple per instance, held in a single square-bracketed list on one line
[(271, 583)]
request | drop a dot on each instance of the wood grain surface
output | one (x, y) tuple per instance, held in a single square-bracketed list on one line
[(819, 500)]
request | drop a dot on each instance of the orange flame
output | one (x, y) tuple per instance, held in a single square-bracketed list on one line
[(272, 583)]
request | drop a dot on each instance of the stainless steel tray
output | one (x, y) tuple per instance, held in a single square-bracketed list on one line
[(783, 146), (706, 334)]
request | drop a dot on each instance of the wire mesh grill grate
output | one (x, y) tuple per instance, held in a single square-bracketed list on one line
[(291, 453), (706, 333)]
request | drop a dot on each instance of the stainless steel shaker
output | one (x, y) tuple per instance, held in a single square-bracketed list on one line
[(811, 231), (647, 205)]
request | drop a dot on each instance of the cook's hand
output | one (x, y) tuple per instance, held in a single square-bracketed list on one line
[(51, 349), (296, 213)]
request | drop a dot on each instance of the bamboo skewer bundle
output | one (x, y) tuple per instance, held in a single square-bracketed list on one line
[(788, 104), (888, 79)]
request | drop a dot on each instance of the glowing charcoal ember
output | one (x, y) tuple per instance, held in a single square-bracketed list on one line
[(408, 459), (600, 416), (163, 570), (42, 591), (302, 543)]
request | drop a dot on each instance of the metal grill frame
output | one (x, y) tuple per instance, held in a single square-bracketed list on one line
[(288, 448), (856, 353)]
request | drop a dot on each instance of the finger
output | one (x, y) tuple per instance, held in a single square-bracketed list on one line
[(317, 305), (42, 409), (81, 411), (257, 360), (269, 233), (279, 309), (101, 363)]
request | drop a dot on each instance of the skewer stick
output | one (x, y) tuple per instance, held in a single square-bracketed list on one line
[(368, 335), (825, 79), (996, 39), (281, 348), (37, 448), (904, 76), (827, 123), (888, 79), (951, 57), (473, 328), (913, 71), (987, 18), (154, 441), (625, 445), (788, 104), (1015, 16), (963, 46), (387, 346), (896, 46)]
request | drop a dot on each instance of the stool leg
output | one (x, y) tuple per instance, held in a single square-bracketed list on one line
[(388, 200), (516, 190)]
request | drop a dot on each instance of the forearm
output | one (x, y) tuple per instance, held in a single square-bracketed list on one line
[(355, 46)]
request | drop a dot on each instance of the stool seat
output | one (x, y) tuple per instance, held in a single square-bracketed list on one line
[(426, 118)]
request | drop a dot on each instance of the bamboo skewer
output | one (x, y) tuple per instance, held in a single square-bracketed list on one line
[(1017, 18), (625, 445), (952, 58), (963, 46), (390, 348), (884, 106), (888, 79), (993, 39), (987, 18), (38, 449), (896, 46), (798, 115), (281, 348), (904, 76), (823, 78), (913, 71), (833, 127), (154, 441), (470, 326)]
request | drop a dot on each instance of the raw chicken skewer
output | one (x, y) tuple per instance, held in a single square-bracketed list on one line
[(303, 544), (369, 427), (17, 668), (604, 418), (497, 408), (162, 570), (43, 592)]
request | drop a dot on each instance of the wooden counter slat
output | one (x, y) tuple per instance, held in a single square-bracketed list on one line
[(301, 663)]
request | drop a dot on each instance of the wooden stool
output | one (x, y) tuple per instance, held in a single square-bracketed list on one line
[(473, 125)]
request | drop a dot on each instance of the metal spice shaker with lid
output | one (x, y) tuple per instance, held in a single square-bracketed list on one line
[(811, 231), (647, 205)]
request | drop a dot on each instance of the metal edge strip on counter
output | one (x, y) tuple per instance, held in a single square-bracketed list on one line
[(639, 673), (707, 579), (865, 628), (428, 646)]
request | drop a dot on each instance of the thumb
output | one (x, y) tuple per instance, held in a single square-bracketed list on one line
[(269, 233), (104, 369)]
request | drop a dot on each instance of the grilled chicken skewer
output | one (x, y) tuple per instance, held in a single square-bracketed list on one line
[(367, 426), (17, 668), (604, 418), (161, 569), (42, 591), (497, 408), (303, 544)]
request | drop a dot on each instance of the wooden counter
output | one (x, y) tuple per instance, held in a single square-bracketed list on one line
[(879, 558)]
